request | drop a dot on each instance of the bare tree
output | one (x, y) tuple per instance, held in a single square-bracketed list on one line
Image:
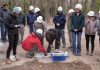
[(93, 5)]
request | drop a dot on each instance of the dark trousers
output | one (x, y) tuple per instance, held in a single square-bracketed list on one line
[(88, 37), (30, 28), (13, 40), (57, 41)]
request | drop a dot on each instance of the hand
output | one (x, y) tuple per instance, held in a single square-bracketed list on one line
[(58, 24), (75, 30), (45, 54), (44, 36), (17, 26)]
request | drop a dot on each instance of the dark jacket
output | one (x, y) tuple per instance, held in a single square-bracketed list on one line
[(11, 21), (61, 19), (77, 22), (21, 19), (3, 15), (30, 19)]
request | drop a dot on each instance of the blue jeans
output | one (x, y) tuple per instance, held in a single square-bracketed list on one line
[(3, 33), (77, 49)]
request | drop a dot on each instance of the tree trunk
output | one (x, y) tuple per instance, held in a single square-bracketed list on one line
[(93, 5)]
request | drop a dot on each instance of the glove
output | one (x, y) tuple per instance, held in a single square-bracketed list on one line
[(58, 24), (45, 54)]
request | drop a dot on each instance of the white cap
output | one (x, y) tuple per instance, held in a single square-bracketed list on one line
[(39, 31), (60, 8), (40, 19), (79, 6), (71, 11), (31, 8), (91, 13), (20, 8), (36, 10), (16, 10), (99, 12)]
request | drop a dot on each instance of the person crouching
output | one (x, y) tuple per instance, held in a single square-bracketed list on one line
[(32, 43)]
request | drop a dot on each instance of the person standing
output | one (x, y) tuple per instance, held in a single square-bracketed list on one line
[(40, 24), (77, 23), (37, 13), (70, 12), (21, 20), (90, 31), (59, 21), (13, 33), (98, 18), (3, 15), (30, 19)]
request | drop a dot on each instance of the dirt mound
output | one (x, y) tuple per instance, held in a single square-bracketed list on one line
[(35, 65)]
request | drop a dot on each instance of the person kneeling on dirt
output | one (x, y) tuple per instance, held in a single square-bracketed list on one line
[(32, 43)]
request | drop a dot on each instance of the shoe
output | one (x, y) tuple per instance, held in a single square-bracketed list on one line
[(78, 54), (74, 54), (70, 48), (8, 61), (91, 54), (17, 59), (87, 53)]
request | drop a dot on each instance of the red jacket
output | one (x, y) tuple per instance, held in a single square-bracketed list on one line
[(30, 41)]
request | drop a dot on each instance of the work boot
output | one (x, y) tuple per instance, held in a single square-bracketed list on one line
[(17, 59), (91, 53), (8, 61), (87, 53)]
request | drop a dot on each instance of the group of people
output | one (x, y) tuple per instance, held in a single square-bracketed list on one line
[(13, 24)]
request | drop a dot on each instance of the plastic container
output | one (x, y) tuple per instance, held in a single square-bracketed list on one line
[(39, 56), (59, 56)]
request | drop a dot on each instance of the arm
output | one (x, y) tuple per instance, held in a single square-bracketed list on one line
[(63, 20), (96, 26), (1, 17), (24, 21), (71, 23), (82, 23), (8, 21), (54, 20), (45, 27), (27, 20), (39, 45)]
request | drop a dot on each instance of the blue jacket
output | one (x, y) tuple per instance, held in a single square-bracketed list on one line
[(77, 22), (61, 19), (30, 19)]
